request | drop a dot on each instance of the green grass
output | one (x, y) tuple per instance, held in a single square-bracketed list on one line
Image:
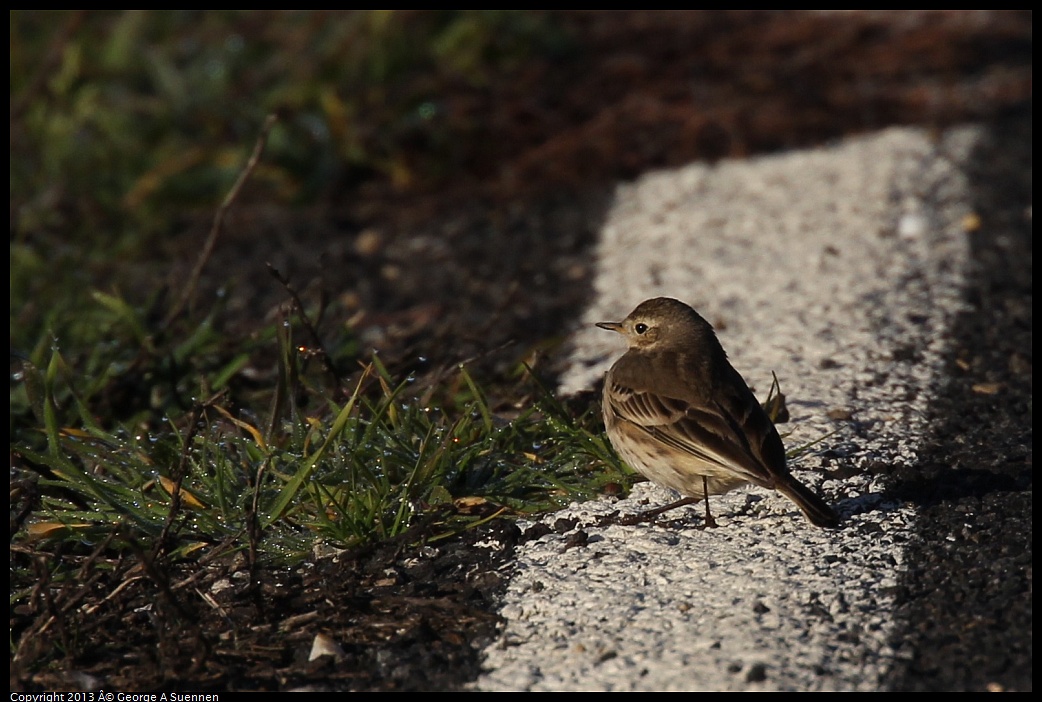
[(319, 470), (328, 463)]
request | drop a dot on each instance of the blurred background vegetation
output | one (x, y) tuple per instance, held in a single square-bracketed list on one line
[(140, 113), (126, 125)]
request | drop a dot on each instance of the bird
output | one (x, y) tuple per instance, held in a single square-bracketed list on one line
[(677, 412)]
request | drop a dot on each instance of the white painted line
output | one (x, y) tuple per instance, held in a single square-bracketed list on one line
[(839, 269)]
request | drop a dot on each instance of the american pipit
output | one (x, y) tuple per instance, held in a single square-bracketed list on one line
[(680, 414)]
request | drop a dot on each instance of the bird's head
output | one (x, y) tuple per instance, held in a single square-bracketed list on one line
[(661, 323)]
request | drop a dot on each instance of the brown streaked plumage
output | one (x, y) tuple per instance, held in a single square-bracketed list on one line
[(680, 414)]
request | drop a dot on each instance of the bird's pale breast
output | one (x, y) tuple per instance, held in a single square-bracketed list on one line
[(662, 463)]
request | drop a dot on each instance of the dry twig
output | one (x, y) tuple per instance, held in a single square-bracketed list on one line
[(218, 220)]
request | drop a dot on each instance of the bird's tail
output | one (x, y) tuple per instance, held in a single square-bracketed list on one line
[(813, 507)]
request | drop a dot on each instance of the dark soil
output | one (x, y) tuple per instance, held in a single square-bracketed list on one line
[(403, 619), (492, 263)]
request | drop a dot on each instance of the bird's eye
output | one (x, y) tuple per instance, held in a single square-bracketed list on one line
[(640, 328)]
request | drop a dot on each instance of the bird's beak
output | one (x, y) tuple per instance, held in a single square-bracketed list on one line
[(611, 326)]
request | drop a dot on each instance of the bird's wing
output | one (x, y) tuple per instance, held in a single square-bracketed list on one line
[(713, 433)]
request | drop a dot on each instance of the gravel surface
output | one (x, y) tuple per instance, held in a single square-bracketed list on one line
[(843, 270)]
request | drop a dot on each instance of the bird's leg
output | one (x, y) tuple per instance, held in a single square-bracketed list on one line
[(710, 522), (650, 514)]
